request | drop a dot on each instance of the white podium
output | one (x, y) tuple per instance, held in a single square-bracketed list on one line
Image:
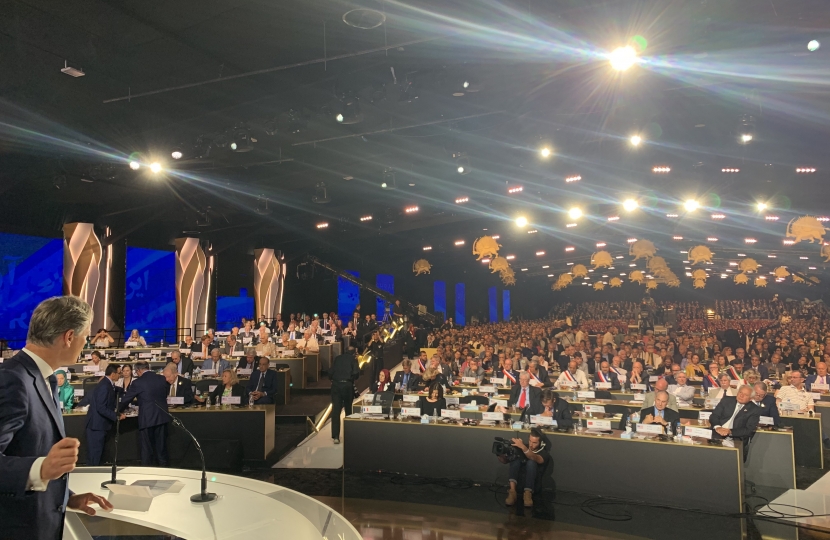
[(244, 509)]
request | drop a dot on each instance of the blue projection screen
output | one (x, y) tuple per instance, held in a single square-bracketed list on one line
[(348, 297), (231, 309), (439, 291), (150, 298), (384, 282), (31, 270), (460, 298), (493, 300), (505, 306)]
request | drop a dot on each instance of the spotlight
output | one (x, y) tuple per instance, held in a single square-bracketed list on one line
[(691, 205), (410, 209), (672, 215), (661, 170), (339, 118), (761, 206), (601, 244), (570, 225), (462, 200), (750, 240), (155, 167), (635, 140), (515, 189), (348, 109), (135, 165), (462, 163), (730, 170), (460, 169), (771, 218), (322, 225), (545, 152), (459, 242), (805, 170), (711, 239), (510, 257), (677, 238), (746, 137), (813, 45), (366, 218), (746, 128), (570, 248), (241, 141), (613, 218), (623, 58), (384, 185), (718, 216), (574, 178), (575, 213), (531, 231), (427, 248), (176, 153), (630, 205), (540, 253), (521, 221), (631, 240)]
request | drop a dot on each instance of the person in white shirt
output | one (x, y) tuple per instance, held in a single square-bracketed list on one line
[(726, 389), (135, 340), (683, 392), (608, 338), (616, 366), (309, 343), (572, 377), (795, 394)]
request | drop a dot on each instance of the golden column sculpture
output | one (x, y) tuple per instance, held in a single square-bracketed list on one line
[(191, 266), (82, 266), (269, 276)]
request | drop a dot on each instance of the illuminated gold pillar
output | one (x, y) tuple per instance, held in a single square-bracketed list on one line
[(83, 266), (191, 268), (269, 276)]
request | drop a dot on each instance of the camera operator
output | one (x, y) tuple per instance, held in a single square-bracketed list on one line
[(534, 457)]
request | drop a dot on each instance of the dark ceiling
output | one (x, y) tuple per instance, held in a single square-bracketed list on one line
[(198, 75)]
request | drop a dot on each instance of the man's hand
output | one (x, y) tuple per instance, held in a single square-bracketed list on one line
[(518, 443), (660, 420), (60, 460), (649, 419), (83, 500), (723, 432), (122, 416), (256, 395), (547, 413), (500, 409)]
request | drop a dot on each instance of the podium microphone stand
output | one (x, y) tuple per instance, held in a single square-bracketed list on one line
[(114, 480)]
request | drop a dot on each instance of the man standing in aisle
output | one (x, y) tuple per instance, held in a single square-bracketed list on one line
[(101, 414), (35, 454), (344, 372), (150, 389)]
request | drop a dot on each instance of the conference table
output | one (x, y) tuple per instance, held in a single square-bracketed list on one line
[(216, 429)]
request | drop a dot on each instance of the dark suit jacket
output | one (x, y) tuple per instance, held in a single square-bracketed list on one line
[(500, 375), (150, 387), (543, 377), (184, 389), (812, 378), (669, 415), (615, 381), (744, 424), (413, 380), (388, 387), (770, 408), (196, 346), (269, 385), (101, 413), (30, 424), (237, 390), (187, 365), (561, 413), (535, 396)]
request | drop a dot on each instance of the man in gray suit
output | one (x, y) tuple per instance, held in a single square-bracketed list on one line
[(660, 386)]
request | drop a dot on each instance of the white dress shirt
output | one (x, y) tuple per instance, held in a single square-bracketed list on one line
[(567, 379), (728, 423), (35, 483)]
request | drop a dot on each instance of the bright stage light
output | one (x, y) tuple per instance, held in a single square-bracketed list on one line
[(460, 169), (521, 221), (134, 165), (545, 152), (339, 117), (813, 45), (746, 137), (155, 167), (635, 140), (630, 205), (761, 206), (691, 205), (575, 213), (176, 154), (623, 58)]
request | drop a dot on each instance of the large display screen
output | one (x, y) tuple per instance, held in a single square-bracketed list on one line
[(31, 270), (150, 305), (231, 309)]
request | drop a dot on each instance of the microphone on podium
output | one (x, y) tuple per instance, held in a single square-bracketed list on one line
[(203, 496), (114, 480)]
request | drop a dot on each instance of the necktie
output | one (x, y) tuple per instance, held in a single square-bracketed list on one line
[(523, 399), (659, 413), (259, 382), (406, 380), (728, 425), (173, 390)]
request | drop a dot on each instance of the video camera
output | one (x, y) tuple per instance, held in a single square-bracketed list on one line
[(504, 447)]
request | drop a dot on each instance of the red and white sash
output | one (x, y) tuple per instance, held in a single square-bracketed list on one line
[(712, 381), (734, 373), (568, 375), (420, 363), (603, 376), (509, 376), (535, 378)]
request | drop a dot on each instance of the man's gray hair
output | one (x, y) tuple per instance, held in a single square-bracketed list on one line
[(55, 316), (171, 368), (762, 386)]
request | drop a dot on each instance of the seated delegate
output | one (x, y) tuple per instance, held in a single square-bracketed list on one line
[(230, 387), (262, 387), (433, 403), (383, 384)]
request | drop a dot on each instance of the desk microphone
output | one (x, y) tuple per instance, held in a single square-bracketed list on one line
[(203, 496), (115, 456)]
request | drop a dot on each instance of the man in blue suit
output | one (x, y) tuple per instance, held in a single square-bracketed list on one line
[(101, 414), (215, 361), (263, 384), (766, 402), (151, 390), (35, 454), (819, 377)]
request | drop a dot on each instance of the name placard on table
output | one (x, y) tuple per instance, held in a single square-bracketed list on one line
[(208, 372), (145, 355), (244, 371), (410, 411), (184, 351), (603, 425), (497, 380), (411, 398), (79, 392), (603, 386), (594, 408), (639, 397), (232, 400), (640, 387), (487, 389), (820, 387), (586, 394), (492, 416), (540, 420), (156, 352), (374, 409), (212, 387), (450, 413), (196, 355), (690, 431), (91, 368), (704, 415), (122, 354), (175, 400), (655, 429), (653, 378), (452, 401), (469, 380), (766, 421), (500, 402)]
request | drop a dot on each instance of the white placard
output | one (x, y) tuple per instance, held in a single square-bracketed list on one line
[(410, 411), (87, 357), (639, 397), (816, 396), (232, 400), (452, 401), (238, 353), (246, 340), (788, 406), (156, 352), (79, 392), (641, 387), (690, 431), (816, 387), (594, 408), (766, 421), (374, 409), (122, 354), (411, 398), (368, 397), (656, 429), (540, 420), (653, 378), (145, 355), (704, 415), (487, 389), (449, 413), (212, 387), (184, 351), (492, 416), (603, 385), (208, 372), (586, 395), (196, 355), (603, 425), (497, 380), (469, 380), (91, 368), (175, 400), (244, 371), (131, 344), (99, 373)]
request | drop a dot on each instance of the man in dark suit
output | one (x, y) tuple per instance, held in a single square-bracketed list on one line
[(179, 386), (35, 454), (605, 375), (538, 375), (556, 407), (410, 342), (184, 365), (510, 375), (766, 402), (151, 391), (100, 416), (405, 379), (736, 416), (263, 384), (660, 412)]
